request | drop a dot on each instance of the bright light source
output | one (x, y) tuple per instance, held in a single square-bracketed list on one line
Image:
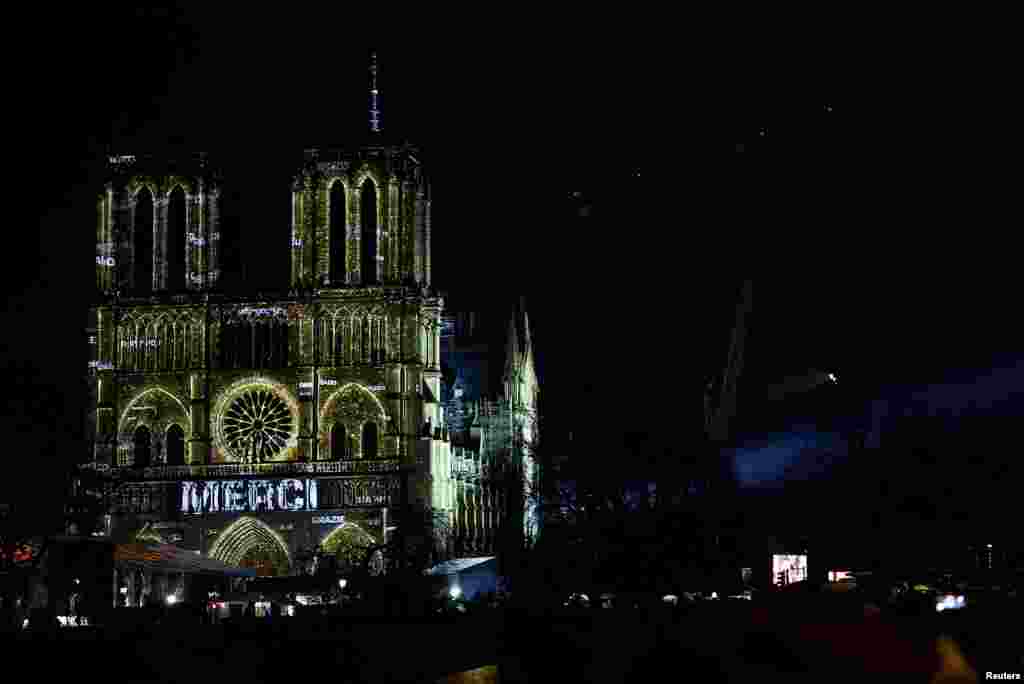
[(832, 377), (989, 545), (455, 592), (172, 599), (124, 590), (714, 594), (342, 583)]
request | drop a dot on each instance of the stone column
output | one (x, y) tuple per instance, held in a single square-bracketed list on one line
[(160, 204), (419, 237), (352, 249), (199, 443), (212, 229), (426, 245)]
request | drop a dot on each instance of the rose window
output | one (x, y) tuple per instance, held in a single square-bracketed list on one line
[(257, 426)]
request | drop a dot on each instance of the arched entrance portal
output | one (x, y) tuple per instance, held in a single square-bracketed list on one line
[(250, 543), (348, 543)]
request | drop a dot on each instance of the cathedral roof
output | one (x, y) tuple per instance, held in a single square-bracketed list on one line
[(485, 344)]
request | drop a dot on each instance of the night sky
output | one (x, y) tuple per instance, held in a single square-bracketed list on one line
[(851, 273)]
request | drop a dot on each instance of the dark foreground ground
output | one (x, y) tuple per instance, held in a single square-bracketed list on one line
[(715, 643)]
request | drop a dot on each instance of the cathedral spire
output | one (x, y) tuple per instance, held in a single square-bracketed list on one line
[(374, 95), (512, 350), (527, 342)]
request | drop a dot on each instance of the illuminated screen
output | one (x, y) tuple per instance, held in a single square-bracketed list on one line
[(840, 576), (949, 602), (255, 496), (787, 568)]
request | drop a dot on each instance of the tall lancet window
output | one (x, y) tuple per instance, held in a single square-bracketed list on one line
[(339, 442), (337, 232), (175, 446), (368, 235), (143, 241), (176, 241), (143, 446), (370, 440)]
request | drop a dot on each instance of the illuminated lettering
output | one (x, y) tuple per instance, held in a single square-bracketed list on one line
[(291, 491), (328, 519), (376, 388), (296, 242), (148, 343), (247, 495), (261, 311), (104, 261), (326, 382)]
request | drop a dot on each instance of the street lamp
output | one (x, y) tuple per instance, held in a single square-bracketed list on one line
[(455, 592)]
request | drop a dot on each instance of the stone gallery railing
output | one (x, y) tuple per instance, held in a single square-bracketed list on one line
[(187, 472)]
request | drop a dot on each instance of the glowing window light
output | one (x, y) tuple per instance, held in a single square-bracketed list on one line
[(172, 599)]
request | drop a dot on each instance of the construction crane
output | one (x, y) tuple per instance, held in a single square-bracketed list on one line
[(719, 411)]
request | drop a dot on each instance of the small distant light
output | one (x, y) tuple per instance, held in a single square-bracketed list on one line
[(342, 583), (832, 377), (172, 599), (374, 91), (988, 545)]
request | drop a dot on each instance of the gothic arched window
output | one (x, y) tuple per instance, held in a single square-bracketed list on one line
[(370, 440), (176, 230), (143, 446), (337, 232), (368, 236), (142, 259), (175, 445), (340, 328), (259, 345), (245, 340), (281, 340), (339, 442), (364, 342)]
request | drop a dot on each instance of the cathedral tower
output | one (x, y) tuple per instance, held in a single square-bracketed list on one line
[(259, 427)]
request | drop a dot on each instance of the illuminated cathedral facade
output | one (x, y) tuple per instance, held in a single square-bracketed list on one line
[(254, 428)]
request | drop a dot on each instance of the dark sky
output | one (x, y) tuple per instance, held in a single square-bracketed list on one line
[(510, 127)]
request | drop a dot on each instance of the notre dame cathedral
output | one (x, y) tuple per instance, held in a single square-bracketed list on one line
[(252, 427)]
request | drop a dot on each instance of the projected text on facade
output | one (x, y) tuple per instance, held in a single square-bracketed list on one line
[(255, 496), (789, 568)]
